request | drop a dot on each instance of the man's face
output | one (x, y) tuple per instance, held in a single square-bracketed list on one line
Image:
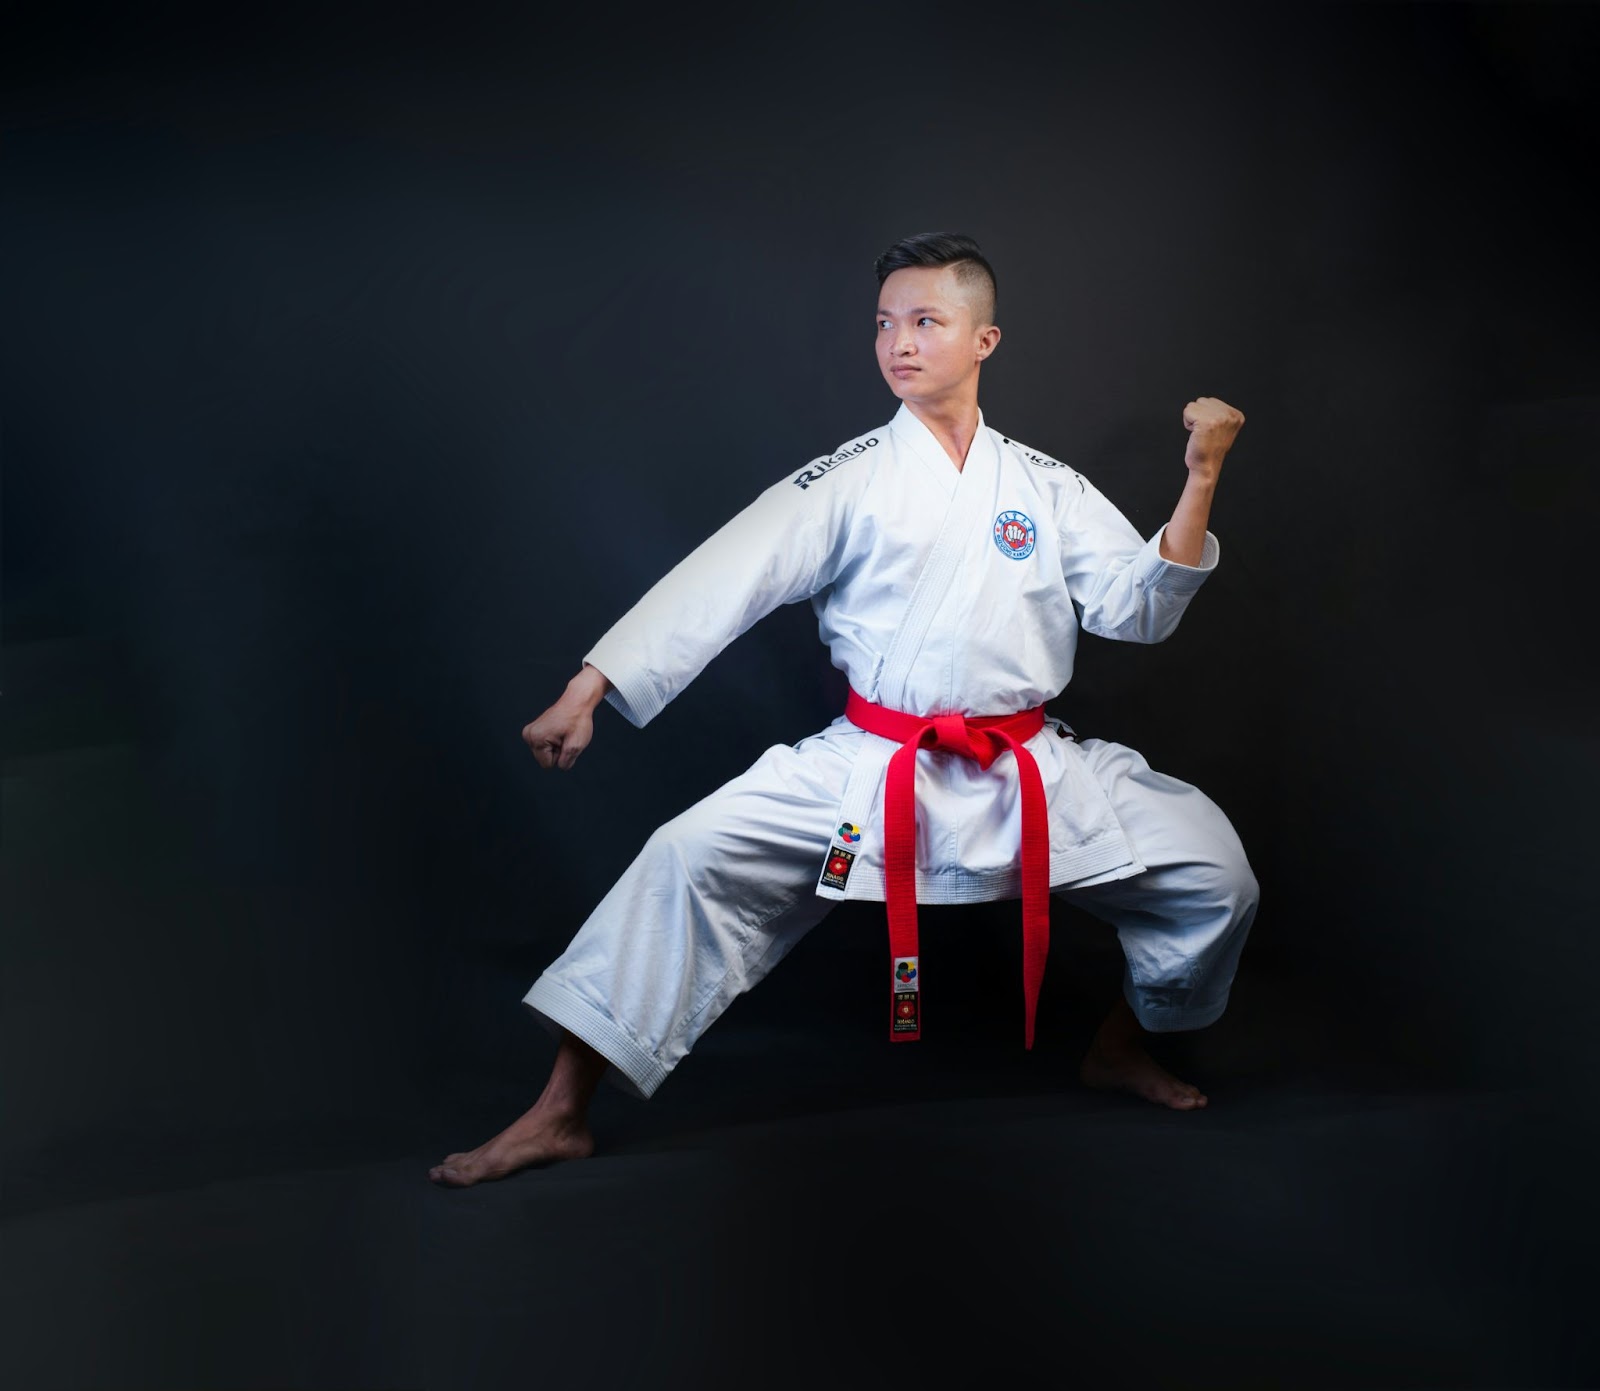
[(929, 345)]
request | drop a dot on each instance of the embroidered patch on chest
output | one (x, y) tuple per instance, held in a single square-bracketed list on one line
[(1014, 534)]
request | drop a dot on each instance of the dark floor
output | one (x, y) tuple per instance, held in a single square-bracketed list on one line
[(801, 1205), (751, 1227)]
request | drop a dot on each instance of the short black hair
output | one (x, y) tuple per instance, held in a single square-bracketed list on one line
[(944, 249)]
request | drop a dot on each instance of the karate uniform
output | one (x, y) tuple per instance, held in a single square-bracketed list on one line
[(937, 591)]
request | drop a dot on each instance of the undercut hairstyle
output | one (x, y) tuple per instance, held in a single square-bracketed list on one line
[(973, 272)]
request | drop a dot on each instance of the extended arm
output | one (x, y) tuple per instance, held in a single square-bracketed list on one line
[(785, 546)]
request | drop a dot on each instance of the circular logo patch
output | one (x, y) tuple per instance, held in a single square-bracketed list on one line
[(1013, 534), (849, 833)]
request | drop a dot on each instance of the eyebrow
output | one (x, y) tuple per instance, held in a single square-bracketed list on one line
[(921, 309)]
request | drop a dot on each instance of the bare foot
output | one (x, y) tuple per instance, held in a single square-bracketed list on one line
[(532, 1139), (1117, 1062), (1126, 1067), (554, 1128)]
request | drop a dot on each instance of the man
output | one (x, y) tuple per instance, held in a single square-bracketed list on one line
[(950, 568)]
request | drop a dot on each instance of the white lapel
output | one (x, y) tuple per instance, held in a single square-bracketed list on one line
[(966, 521), (919, 442), (967, 489)]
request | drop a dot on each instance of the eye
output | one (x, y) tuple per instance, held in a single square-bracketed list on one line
[(883, 323), (925, 320)]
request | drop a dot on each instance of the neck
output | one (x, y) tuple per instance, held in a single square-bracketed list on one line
[(952, 423)]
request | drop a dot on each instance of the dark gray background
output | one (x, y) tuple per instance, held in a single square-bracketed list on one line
[(359, 373)]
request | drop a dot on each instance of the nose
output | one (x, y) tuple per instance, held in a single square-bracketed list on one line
[(903, 343)]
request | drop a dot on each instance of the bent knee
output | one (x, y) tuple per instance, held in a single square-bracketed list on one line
[(1247, 888), (1233, 880), (1229, 881)]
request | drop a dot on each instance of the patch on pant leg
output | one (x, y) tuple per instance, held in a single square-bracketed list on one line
[(836, 872), (1157, 999)]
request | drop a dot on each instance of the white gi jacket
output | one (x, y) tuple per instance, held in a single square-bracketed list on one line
[(937, 591)]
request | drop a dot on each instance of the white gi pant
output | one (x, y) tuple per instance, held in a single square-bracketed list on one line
[(720, 893)]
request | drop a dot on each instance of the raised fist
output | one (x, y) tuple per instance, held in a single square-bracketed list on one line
[(1212, 425)]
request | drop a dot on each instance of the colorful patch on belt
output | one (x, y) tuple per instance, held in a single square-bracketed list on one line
[(905, 973), (905, 1019), (836, 872), (849, 833), (1014, 534)]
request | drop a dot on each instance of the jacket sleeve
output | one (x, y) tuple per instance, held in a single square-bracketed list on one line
[(1120, 586), (785, 546)]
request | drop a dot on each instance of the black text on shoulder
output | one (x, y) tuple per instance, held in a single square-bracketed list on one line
[(1042, 460), (820, 468)]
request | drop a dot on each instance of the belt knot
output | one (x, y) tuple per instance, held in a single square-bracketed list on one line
[(953, 734)]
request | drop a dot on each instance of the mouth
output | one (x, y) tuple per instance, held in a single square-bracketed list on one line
[(903, 371)]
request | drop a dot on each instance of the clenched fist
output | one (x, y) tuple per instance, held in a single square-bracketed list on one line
[(559, 735), (1212, 425)]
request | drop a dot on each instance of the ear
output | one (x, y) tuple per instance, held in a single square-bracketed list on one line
[(987, 341)]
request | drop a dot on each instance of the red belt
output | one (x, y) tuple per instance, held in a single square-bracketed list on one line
[(984, 738)]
